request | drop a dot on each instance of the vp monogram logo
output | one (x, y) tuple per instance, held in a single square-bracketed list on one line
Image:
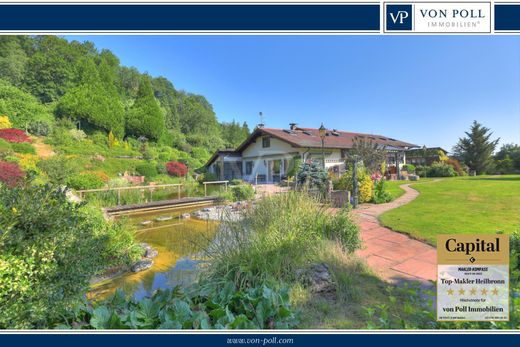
[(399, 17)]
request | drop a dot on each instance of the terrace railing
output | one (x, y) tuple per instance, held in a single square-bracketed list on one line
[(148, 191)]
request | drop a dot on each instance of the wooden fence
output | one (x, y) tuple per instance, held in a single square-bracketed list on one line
[(150, 189)]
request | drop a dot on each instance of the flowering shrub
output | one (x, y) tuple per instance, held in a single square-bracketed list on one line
[(175, 168), (27, 161), (365, 184), (4, 122), (14, 135), (10, 173)]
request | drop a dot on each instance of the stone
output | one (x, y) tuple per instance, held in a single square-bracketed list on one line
[(185, 216), (413, 177), (318, 278), (151, 253), (206, 209), (142, 265)]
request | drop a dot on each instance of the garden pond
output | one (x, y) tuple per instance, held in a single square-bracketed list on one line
[(180, 244)]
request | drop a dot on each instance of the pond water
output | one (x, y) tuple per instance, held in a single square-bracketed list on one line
[(180, 243)]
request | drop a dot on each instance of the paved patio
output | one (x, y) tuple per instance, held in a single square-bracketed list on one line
[(394, 256)]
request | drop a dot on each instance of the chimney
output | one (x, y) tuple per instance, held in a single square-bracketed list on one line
[(292, 126)]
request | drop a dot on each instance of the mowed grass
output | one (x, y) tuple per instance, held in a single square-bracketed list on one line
[(393, 187), (484, 204)]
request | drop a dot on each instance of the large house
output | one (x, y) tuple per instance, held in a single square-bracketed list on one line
[(268, 154), (426, 155)]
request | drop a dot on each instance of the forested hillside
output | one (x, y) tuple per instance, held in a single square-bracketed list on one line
[(50, 86)]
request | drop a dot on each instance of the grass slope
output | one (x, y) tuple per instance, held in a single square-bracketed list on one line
[(484, 204)]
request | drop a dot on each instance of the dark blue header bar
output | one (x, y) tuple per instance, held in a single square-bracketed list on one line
[(175, 17), (507, 17)]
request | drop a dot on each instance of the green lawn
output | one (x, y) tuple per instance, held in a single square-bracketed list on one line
[(484, 204), (393, 188)]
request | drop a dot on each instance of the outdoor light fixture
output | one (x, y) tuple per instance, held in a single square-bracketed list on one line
[(323, 133)]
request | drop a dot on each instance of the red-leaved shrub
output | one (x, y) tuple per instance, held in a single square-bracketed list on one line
[(14, 135), (174, 168), (10, 173)]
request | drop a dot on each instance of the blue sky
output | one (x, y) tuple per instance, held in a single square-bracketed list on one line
[(422, 89)]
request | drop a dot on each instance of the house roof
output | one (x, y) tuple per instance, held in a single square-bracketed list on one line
[(430, 149), (218, 153), (309, 138)]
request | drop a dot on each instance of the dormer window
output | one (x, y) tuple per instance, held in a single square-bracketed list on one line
[(266, 142)]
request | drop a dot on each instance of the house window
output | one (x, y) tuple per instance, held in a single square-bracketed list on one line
[(266, 141), (249, 167)]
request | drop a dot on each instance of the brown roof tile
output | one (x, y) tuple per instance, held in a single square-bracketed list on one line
[(309, 137)]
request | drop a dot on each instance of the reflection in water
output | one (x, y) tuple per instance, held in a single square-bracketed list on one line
[(180, 243)]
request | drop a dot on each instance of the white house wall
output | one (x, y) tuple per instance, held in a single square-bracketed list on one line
[(260, 156)]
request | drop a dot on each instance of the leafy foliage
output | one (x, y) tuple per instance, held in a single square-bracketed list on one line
[(312, 175), (21, 108), (274, 239), (365, 183), (507, 159), (145, 117), (476, 149), (242, 192), (381, 196), (203, 307), (175, 168), (58, 168), (371, 153), (86, 180), (233, 134), (149, 170), (48, 255), (94, 106)]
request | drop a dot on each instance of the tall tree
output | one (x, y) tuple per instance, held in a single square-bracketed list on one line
[(145, 117), (94, 101), (509, 155), (13, 59), (476, 149), (371, 153)]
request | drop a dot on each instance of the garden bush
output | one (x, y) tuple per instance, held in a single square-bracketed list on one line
[(14, 135), (148, 169), (10, 174), (58, 168), (441, 169), (422, 171), (27, 162), (410, 168), (175, 168), (381, 196), (23, 147), (242, 192), (86, 180), (457, 166), (48, 255), (365, 184), (39, 127), (312, 176)]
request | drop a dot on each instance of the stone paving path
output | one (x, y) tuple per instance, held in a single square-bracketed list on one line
[(394, 256)]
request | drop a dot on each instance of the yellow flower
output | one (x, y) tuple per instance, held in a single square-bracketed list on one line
[(14, 210)]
